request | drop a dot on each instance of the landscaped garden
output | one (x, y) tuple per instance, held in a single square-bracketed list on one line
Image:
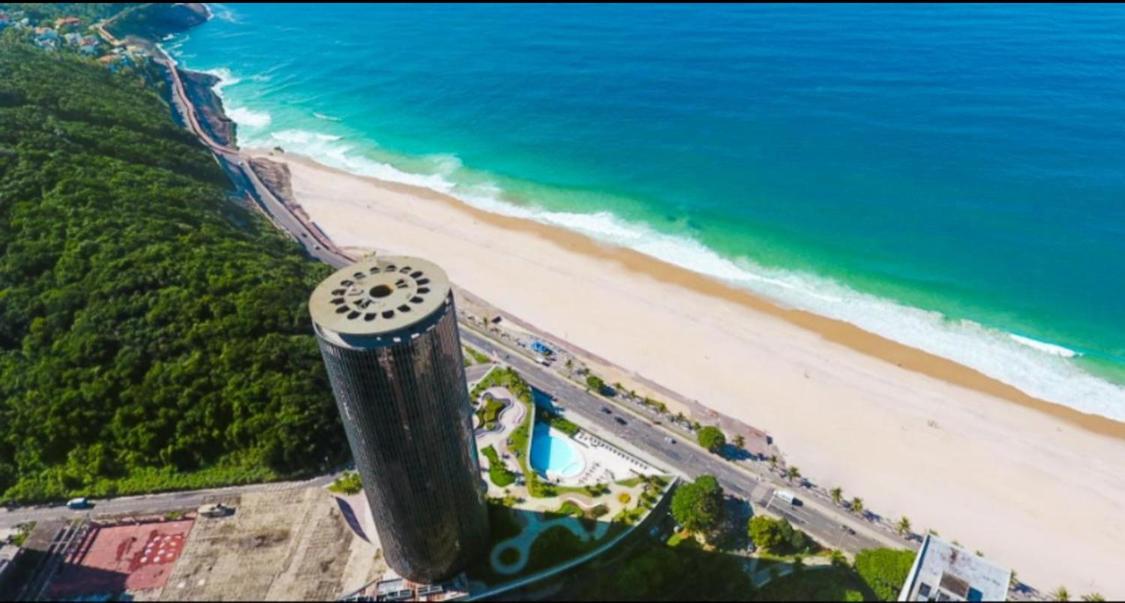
[(530, 533), (489, 412)]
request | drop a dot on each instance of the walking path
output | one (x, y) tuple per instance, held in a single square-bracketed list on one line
[(535, 526)]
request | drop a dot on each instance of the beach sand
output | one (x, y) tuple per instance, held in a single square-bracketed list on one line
[(1033, 485)]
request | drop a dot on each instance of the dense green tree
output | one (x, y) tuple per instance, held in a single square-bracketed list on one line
[(712, 438), (698, 506), (763, 531), (778, 536), (153, 333)]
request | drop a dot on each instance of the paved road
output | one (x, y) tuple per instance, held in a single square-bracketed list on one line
[(682, 457), (246, 181), (149, 504)]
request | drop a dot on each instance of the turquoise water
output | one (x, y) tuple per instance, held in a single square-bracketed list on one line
[(946, 176), (554, 454)]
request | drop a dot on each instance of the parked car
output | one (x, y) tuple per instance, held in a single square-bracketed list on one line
[(607, 411), (79, 503), (619, 420), (215, 510)]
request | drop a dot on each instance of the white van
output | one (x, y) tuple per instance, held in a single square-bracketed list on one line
[(787, 496)]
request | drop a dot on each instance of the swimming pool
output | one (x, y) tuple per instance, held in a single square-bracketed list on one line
[(554, 455)]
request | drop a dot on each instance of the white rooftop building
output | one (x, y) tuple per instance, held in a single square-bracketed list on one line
[(945, 572)]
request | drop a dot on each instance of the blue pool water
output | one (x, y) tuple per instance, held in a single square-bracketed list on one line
[(949, 177), (554, 454)]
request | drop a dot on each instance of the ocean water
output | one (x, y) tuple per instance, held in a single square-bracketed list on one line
[(951, 177)]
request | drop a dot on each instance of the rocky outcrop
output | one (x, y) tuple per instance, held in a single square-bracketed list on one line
[(154, 21)]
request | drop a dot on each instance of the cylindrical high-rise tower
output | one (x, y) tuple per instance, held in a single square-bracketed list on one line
[(387, 330)]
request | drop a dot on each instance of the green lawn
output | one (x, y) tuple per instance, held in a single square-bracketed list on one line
[(497, 472)]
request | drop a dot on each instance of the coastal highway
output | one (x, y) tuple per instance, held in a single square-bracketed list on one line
[(150, 504), (834, 528), (246, 182)]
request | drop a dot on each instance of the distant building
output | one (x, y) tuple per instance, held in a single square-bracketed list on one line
[(387, 330), (65, 21), (945, 572), (88, 46), (46, 38)]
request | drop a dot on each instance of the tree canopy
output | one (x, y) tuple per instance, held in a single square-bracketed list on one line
[(712, 438), (884, 570), (150, 328), (778, 536), (698, 506)]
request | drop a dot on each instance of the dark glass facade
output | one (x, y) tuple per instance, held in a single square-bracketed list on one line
[(405, 407)]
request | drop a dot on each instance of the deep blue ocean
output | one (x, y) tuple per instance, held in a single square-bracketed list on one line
[(952, 177)]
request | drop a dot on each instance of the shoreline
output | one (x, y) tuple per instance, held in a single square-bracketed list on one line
[(910, 433), (830, 329)]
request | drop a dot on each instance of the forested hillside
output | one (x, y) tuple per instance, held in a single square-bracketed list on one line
[(152, 333)]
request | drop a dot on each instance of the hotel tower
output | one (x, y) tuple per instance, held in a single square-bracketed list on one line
[(387, 330)]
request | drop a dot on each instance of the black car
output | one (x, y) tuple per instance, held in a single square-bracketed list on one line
[(607, 411), (619, 420)]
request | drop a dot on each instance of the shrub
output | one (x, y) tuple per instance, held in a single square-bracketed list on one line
[(348, 483), (595, 383)]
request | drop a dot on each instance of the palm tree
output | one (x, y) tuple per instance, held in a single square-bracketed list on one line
[(1060, 594), (1093, 597), (837, 495), (792, 473), (739, 441), (903, 526), (857, 505), (773, 461)]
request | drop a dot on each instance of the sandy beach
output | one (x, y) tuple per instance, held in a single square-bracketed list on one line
[(1034, 485)]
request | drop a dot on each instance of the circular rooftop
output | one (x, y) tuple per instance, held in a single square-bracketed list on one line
[(379, 295)]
